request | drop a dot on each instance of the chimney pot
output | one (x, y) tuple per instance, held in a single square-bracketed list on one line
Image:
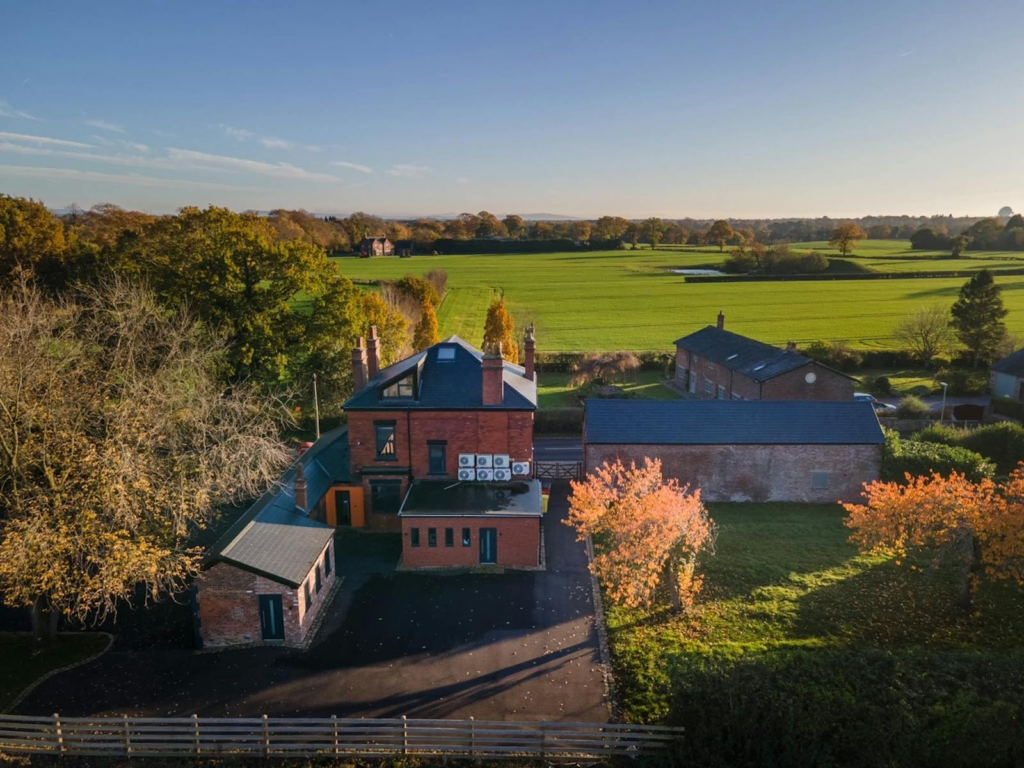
[(300, 488), (791, 347), (373, 353), (359, 365), (493, 375), (721, 320), (530, 347)]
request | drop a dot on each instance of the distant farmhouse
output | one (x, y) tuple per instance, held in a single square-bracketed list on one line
[(715, 364), (760, 450), (375, 246), (438, 446)]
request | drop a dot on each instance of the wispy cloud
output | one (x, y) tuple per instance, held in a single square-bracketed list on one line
[(133, 145), (272, 143), (353, 166), (104, 125), (236, 133), (6, 110), (64, 174), (221, 162), (44, 140), (409, 170), (312, 148)]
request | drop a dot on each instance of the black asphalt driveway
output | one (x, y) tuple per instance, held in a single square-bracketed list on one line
[(515, 646)]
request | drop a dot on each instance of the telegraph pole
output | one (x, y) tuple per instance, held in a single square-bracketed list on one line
[(316, 405)]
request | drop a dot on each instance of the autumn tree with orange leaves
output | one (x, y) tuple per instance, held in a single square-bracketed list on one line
[(651, 530), (976, 526)]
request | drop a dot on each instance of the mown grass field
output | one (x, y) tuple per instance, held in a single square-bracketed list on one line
[(632, 300), (795, 623)]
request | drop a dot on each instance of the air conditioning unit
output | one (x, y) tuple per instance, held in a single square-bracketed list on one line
[(520, 468), (467, 460), (467, 474), (484, 460), (502, 475), (485, 474), (501, 461)]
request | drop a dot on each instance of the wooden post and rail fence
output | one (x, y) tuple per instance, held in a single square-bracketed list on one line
[(332, 736)]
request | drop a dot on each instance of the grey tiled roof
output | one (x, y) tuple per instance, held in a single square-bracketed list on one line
[(752, 358), (455, 384), (442, 497), (274, 537), (1013, 364), (731, 422)]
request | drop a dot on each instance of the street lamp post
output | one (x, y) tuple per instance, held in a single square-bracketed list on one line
[(942, 413)]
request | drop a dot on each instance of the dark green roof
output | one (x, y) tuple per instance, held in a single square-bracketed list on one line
[(443, 497), (277, 539)]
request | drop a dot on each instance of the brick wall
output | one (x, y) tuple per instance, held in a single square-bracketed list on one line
[(518, 541), (828, 384), (229, 606), (482, 431), (756, 472)]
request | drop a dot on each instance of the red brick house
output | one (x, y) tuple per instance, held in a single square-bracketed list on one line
[(715, 364), (760, 450), (442, 443), (269, 576), (375, 246)]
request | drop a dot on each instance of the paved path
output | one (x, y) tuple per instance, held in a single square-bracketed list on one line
[(518, 645), (558, 449)]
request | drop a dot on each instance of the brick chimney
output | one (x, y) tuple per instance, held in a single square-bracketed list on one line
[(494, 383), (359, 365), (373, 353), (791, 347), (300, 488), (531, 351), (721, 319)]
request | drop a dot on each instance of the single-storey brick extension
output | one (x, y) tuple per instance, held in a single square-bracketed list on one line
[(1006, 377), (716, 364), (759, 450)]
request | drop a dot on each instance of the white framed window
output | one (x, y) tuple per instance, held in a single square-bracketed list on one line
[(709, 387), (721, 392), (736, 396)]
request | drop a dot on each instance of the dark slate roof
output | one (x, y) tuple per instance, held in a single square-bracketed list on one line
[(276, 539), (1013, 365), (732, 422), (752, 358), (435, 498), (447, 385)]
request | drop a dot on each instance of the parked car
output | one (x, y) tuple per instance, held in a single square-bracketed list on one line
[(878, 405), (864, 397)]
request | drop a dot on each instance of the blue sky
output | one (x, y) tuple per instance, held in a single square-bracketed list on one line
[(743, 108)]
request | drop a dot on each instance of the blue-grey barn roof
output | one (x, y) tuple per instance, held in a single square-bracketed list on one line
[(1012, 365), (752, 358), (276, 539), (446, 385), (732, 422)]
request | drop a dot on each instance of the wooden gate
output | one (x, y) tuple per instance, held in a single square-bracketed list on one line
[(559, 470)]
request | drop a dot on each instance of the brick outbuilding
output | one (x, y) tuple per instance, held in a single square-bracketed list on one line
[(716, 364), (759, 450)]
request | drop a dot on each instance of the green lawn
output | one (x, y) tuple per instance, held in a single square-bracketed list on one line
[(792, 616), (902, 379), (20, 668), (554, 390), (632, 300)]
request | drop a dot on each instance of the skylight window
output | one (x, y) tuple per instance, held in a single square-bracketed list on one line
[(759, 367), (733, 356), (445, 354)]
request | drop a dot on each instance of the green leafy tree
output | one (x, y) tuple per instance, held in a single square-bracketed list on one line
[(500, 328), (488, 225), (426, 333), (977, 316), (653, 230), (610, 228), (514, 225), (392, 327), (32, 243), (719, 233), (845, 236)]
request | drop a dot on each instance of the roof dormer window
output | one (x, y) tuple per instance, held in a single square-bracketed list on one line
[(401, 388), (446, 354)]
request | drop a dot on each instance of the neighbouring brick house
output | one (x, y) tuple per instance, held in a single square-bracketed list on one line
[(716, 364), (442, 443), (1006, 378), (375, 246), (268, 576), (760, 450)]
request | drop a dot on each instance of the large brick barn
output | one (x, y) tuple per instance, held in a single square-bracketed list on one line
[(758, 450), (716, 364)]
